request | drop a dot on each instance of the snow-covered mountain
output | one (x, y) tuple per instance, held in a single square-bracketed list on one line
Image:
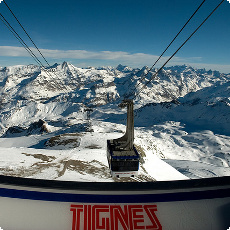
[(28, 93), (207, 108), (172, 112)]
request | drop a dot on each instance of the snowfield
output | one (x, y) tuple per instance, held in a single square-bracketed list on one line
[(30, 157), (181, 122)]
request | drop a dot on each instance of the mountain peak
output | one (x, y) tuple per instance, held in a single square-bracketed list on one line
[(124, 68), (33, 92), (64, 65)]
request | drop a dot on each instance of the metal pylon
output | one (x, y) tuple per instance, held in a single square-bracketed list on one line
[(126, 142), (88, 110)]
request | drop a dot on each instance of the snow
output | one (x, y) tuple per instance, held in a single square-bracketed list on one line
[(171, 154), (194, 154), (182, 139), (88, 162), (160, 170)]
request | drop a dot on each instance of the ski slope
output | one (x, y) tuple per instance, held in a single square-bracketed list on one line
[(27, 157), (164, 156)]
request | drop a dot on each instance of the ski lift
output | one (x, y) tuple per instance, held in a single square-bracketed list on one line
[(122, 155), (88, 112)]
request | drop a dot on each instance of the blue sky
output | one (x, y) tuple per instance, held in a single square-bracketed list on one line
[(110, 32)]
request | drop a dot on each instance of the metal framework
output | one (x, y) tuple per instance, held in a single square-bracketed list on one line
[(88, 110), (122, 156), (126, 142)]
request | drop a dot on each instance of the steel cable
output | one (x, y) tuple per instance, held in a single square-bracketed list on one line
[(177, 50), (27, 48), (144, 76)]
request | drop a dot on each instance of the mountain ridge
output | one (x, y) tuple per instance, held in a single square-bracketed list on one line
[(181, 121), (29, 93)]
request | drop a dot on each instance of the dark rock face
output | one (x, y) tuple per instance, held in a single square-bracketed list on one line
[(38, 127), (14, 131), (64, 141)]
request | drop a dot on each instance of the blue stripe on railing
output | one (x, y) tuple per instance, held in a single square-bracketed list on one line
[(123, 198)]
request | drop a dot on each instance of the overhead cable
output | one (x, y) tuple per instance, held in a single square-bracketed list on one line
[(26, 32), (17, 36), (26, 46), (178, 50), (142, 78)]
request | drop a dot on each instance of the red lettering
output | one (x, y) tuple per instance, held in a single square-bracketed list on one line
[(114, 217), (74, 218), (98, 222), (117, 214), (76, 209), (136, 218), (85, 216), (150, 211), (89, 217)]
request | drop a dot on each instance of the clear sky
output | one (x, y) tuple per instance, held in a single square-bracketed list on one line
[(112, 32)]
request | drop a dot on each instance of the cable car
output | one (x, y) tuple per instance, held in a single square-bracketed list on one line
[(123, 157)]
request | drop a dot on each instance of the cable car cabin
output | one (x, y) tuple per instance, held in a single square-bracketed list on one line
[(122, 163), (123, 157)]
